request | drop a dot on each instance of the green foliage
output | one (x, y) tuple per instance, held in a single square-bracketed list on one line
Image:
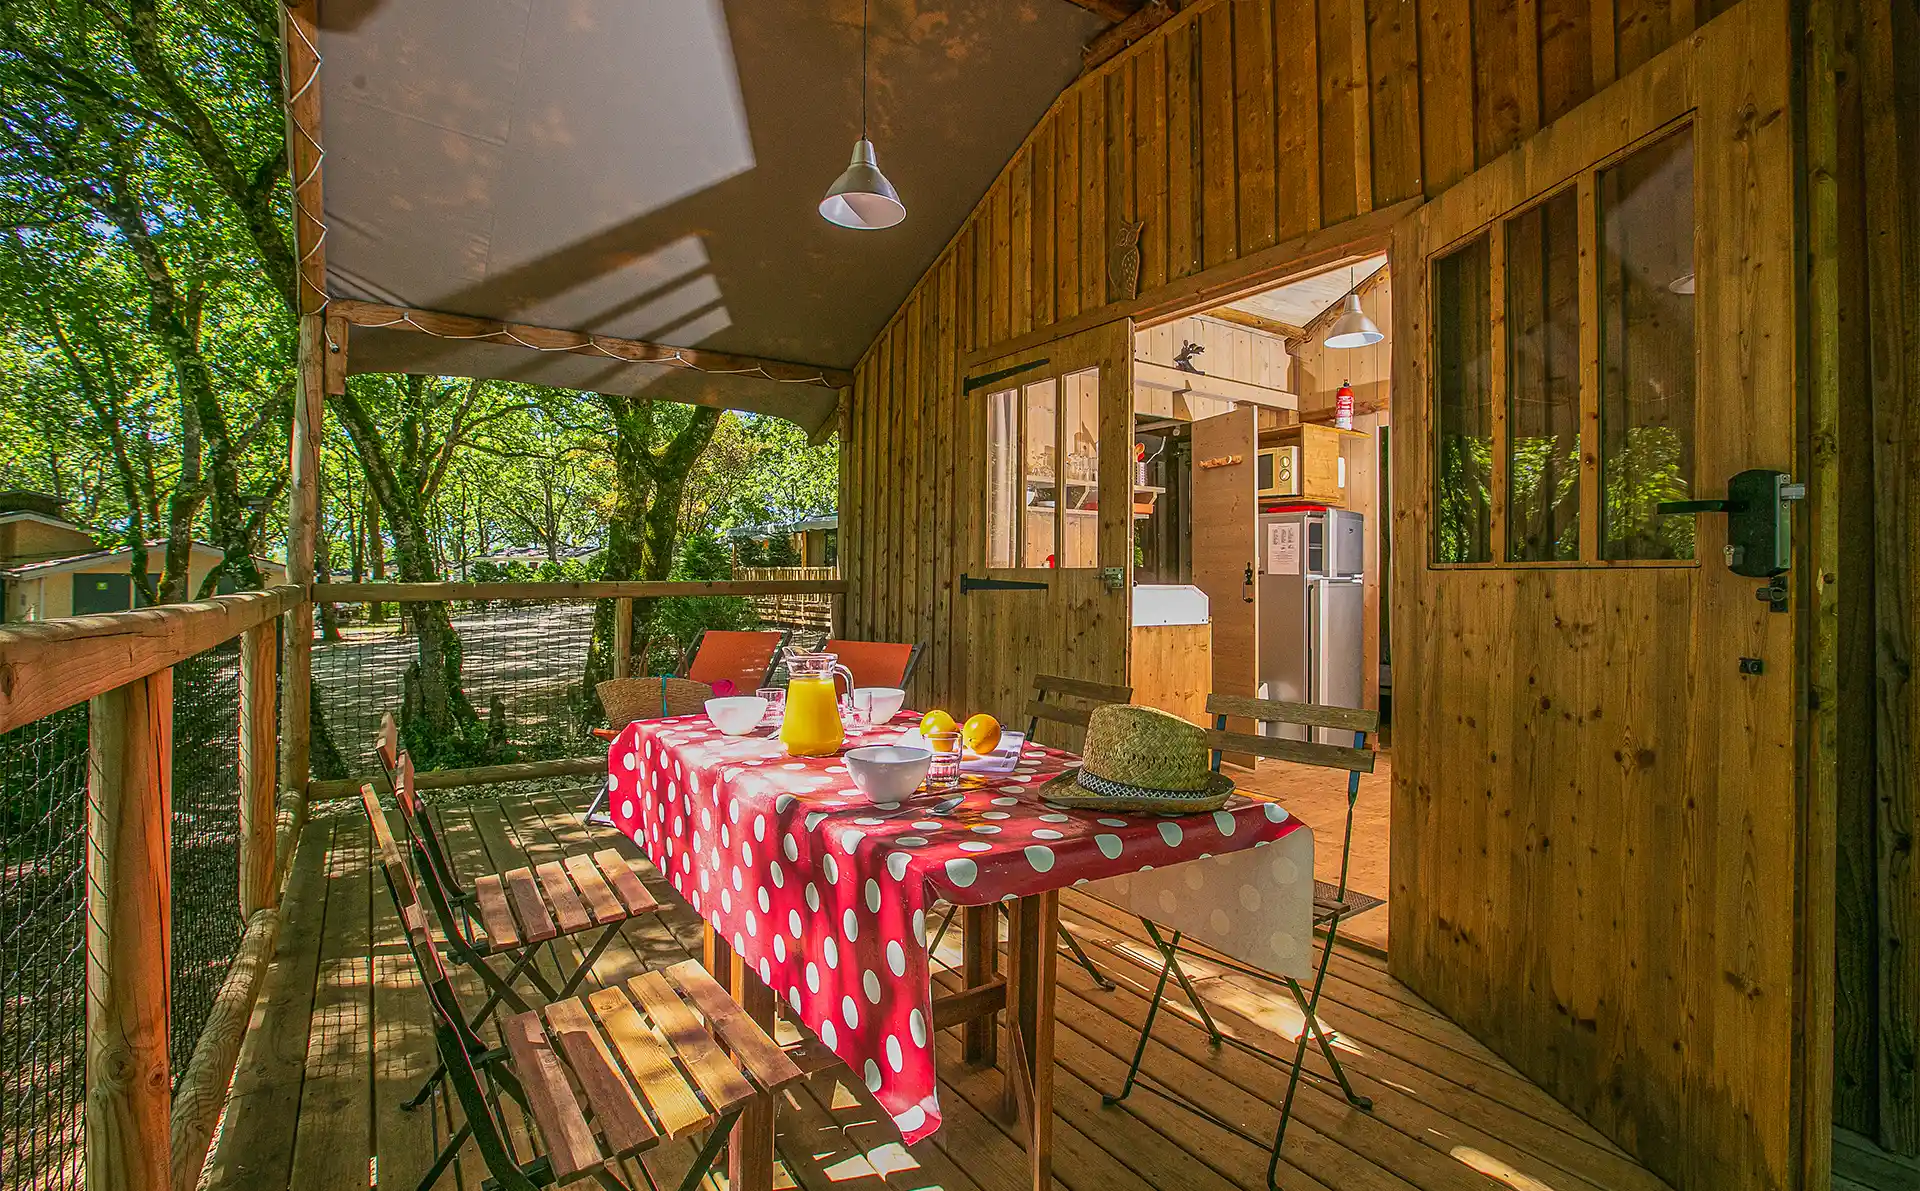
[(678, 622), (1635, 476)]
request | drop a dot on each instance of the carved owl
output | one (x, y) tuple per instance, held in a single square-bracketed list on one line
[(1123, 261)]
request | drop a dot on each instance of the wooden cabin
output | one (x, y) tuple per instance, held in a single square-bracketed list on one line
[(1644, 856)]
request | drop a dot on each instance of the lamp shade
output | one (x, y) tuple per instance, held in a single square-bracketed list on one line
[(1353, 328), (862, 197)]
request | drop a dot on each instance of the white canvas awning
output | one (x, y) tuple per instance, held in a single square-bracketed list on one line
[(650, 170)]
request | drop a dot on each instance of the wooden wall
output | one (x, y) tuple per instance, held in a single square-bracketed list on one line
[(1247, 133), (1238, 133), (1877, 921)]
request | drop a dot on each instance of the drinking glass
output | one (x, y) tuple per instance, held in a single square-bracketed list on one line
[(943, 772), (776, 697), (862, 707)]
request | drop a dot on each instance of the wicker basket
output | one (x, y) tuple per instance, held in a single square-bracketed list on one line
[(630, 699)]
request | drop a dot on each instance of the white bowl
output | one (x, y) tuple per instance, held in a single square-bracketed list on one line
[(888, 772), (884, 702), (737, 715)]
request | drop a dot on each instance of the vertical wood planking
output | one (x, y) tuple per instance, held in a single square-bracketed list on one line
[(1149, 68), (129, 1101), (1000, 265), (1042, 231), (1566, 54), (1122, 144), (1183, 149), (1296, 117), (1093, 196), (1393, 98), (1020, 244), (1446, 92), (1218, 196), (1339, 168), (1254, 112), (1890, 102), (1068, 258)]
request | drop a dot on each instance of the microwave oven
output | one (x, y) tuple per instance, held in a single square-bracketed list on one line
[(1277, 472)]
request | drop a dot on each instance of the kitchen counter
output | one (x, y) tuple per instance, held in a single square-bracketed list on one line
[(1171, 663)]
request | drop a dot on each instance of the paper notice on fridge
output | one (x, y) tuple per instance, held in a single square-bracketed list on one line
[(1283, 548)]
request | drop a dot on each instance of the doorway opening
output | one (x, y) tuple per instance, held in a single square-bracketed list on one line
[(1260, 550)]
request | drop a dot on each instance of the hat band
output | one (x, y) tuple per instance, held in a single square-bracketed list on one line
[(1108, 788)]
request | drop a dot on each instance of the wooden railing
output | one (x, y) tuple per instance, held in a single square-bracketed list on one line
[(140, 1133)]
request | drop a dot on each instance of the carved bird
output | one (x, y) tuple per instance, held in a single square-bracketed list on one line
[(1184, 359)]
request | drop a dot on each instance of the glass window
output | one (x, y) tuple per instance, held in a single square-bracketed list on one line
[(1003, 484), (1080, 433), (1039, 421), (1543, 381), (1463, 404), (1646, 350)]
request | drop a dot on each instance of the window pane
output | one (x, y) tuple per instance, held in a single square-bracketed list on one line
[(1042, 484), (1647, 350), (1003, 453), (1463, 404), (1543, 381), (1081, 433)]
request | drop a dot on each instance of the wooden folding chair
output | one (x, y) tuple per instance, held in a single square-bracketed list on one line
[(600, 1076), (876, 663), (1327, 911), (519, 911), (1088, 695), (743, 659), (1092, 694)]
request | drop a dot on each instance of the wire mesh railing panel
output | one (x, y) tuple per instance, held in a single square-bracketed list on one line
[(522, 670), (43, 966), (206, 839)]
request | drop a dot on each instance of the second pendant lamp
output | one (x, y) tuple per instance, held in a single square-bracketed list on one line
[(861, 197)]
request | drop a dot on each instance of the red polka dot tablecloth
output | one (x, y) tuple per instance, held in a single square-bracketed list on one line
[(825, 893)]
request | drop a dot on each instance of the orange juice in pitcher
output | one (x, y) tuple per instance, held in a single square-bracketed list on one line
[(811, 726)]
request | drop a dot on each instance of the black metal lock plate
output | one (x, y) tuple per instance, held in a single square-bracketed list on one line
[(1759, 542)]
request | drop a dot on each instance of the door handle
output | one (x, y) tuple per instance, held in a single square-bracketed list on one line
[(969, 584), (1246, 591)]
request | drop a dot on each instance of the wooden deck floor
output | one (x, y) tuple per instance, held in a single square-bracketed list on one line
[(341, 1037)]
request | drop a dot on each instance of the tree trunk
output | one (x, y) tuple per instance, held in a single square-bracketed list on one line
[(648, 488)]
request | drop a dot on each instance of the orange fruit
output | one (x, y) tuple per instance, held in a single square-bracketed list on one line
[(982, 733), (935, 722)]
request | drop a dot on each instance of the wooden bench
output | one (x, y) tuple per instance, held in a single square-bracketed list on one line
[(606, 1076)]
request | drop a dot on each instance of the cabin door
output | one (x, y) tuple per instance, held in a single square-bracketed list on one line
[(1049, 563), (1596, 799)]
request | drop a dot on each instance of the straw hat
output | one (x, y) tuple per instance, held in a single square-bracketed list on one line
[(1141, 759)]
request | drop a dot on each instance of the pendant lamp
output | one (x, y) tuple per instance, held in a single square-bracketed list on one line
[(862, 197), (1353, 328)]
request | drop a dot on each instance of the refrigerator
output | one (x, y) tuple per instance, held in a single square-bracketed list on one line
[(1312, 612)]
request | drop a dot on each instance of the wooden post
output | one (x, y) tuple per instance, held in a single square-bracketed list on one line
[(129, 1105), (750, 1151), (622, 637), (1031, 961), (980, 960), (258, 785), (300, 38)]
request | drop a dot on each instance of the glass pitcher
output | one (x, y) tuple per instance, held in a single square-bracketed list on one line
[(811, 726)]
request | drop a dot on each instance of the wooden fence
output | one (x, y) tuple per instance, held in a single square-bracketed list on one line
[(811, 612)]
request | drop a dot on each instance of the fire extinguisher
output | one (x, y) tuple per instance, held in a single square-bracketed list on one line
[(1343, 407)]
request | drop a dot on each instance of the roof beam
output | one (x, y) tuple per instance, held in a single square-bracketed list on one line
[(548, 339), (1144, 19), (1256, 322), (1108, 10)]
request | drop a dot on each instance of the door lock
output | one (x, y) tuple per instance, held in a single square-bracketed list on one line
[(1246, 592)]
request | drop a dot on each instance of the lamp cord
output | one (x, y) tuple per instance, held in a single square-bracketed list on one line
[(864, 20)]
